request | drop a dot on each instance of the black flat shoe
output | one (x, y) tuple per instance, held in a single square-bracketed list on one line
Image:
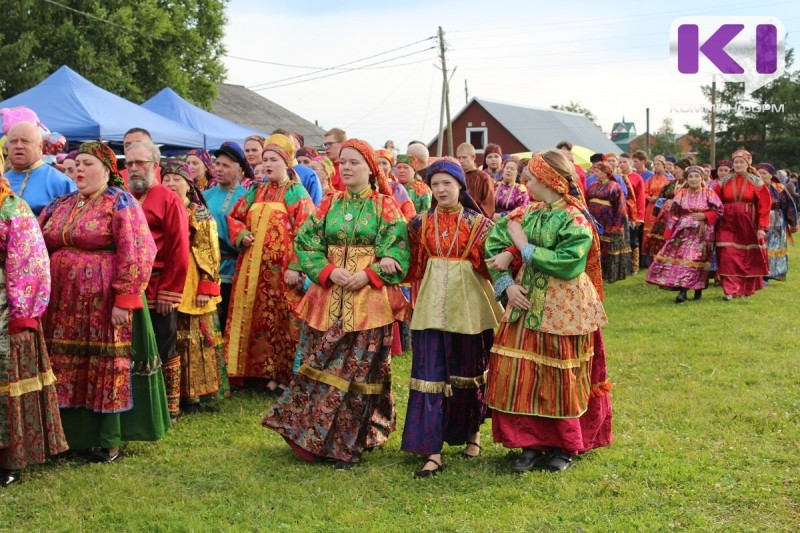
[(344, 465), (698, 295), (468, 456), (681, 297), (422, 474), (559, 462), (529, 460), (9, 477), (103, 457)]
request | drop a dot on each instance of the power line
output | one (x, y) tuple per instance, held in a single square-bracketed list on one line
[(260, 85), (128, 29), (265, 86)]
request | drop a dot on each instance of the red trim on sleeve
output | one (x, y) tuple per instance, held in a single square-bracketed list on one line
[(513, 251), (711, 217), (667, 234), (128, 301), (18, 325), (208, 288), (325, 274), (374, 279)]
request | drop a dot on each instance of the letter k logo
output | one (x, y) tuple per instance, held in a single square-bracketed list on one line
[(689, 48)]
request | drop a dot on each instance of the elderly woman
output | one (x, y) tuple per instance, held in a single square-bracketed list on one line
[(202, 168), (450, 342), (547, 383), (418, 191), (683, 262), (607, 206), (742, 230), (262, 332), (30, 426), (230, 169), (199, 339), (324, 169), (509, 194), (101, 255), (782, 222), (355, 249)]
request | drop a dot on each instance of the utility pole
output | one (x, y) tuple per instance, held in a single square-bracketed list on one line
[(466, 92), (445, 93), (713, 147), (647, 132)]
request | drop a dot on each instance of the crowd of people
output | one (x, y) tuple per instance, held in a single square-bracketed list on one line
[(133, 296)]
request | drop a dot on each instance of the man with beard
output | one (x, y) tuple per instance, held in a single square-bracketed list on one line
[(169, 224)]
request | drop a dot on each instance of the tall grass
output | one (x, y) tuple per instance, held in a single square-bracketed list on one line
[(707, 434)]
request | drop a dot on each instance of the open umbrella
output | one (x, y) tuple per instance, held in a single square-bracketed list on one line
[(580, 155)]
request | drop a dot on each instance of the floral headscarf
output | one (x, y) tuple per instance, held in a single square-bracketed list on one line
[(180, 168), (107, 157), (205, 157)]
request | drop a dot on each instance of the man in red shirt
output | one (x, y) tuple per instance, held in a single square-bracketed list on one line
[(566, 149), (169, 225), (479, 184), (637, 220), (135, 135)]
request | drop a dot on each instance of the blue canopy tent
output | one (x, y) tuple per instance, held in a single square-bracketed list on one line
[(216, 130), (73, 106)]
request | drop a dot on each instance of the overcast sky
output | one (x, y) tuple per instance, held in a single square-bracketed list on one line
[(613, 59)]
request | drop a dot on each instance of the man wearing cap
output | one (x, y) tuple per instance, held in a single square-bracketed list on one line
[(30, 178), (480, 185), (230, 168), (169, 225)]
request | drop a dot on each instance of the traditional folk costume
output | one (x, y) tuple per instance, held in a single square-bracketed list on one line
[(655, 237), (220, 202), (340, 403), (607, 205), (480, 187), (199, 343), (636, 208), (509, 196), (401, 331), (30, 426), (418, 191), (262, 332), (39, 184), (743, 261), (782, 222), (685, 259), (110, 385), (453, 325), (547, 381), (652, 191), (169, 225), (208, 180)]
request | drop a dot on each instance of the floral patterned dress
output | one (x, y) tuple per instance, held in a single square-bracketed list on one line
[(30, 426), (340, 403), (262, 333), (508, 197)]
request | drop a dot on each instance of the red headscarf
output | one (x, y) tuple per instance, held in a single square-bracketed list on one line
[(386, 154), (376, 174), (551, 178)]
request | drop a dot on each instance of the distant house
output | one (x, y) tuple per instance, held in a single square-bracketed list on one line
[(521, 128), (622, 133), (688, 144), (243, 106)]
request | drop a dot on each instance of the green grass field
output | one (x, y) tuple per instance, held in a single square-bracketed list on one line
[(707, 437)]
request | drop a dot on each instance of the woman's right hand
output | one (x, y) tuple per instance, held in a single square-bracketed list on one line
[(516, 297), (501, 261), (340, 276), (247, 241), (120, 316)]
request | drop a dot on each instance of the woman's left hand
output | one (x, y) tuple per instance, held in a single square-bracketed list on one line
[(202, 300), (390, 266), (761, 235), (19, 340), (517, 234), (357, 281)]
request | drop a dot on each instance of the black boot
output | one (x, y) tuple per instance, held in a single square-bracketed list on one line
[(9, 477), (698, 294), (681, 297)]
